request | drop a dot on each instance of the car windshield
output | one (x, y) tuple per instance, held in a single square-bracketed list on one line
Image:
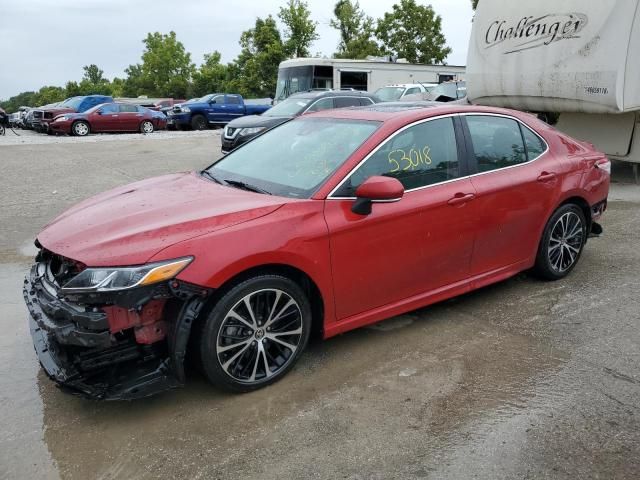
[(288, 108), (294, 159), (73, 102), (389, 94)]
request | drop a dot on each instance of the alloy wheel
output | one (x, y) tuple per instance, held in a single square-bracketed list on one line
[(259, 335), (147, 127), (81, 129), (565, 242)]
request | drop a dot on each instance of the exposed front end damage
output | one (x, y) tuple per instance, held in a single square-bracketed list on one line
[(119, 345)]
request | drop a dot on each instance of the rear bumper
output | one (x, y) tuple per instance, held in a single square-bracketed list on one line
[(77, 350)]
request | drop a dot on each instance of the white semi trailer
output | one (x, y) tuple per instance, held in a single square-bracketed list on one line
[(575, 58)]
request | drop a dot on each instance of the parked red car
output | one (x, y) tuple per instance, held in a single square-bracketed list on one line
[(329, 222), (109, 117)]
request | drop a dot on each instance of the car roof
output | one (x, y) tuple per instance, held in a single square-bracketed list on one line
[(408, 112), (332, 93)]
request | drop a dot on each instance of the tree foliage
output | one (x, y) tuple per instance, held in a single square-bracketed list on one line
[(255, 70), (474, 4), (409, 30), (356, 31), (300, 30), (413, 32), (166, 68), (211, 77)]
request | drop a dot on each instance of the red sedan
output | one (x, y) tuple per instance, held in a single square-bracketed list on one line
[(327, 223), (109, 117)]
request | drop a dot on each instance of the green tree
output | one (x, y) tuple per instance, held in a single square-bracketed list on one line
[(356, 31), (255, 70), (93, 82), (93, 74), (166, 68), (210, 77), (413, 32), (300, 30), (474, 4), (47, 95)]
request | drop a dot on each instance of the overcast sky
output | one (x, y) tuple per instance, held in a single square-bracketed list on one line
[(46, 42)]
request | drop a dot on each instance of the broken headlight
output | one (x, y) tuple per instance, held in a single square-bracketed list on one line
[(122, 278)]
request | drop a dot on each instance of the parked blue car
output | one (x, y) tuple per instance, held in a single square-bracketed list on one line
[(210, 110)]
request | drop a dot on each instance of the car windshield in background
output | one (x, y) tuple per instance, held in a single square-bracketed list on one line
[(294, 159), (288, 108), (72, 103), (389, 94)]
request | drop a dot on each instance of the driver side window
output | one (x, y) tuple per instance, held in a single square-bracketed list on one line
[(421, 155)]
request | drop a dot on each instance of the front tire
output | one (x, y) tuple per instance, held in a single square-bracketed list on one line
[(255, 333), (198, 122), (562, 242), (80, 129), (146, 127)]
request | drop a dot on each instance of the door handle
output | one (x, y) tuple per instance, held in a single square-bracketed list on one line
[(546, 177), (460, 199)]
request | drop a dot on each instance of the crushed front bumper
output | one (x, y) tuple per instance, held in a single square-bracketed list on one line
[(78, 351)]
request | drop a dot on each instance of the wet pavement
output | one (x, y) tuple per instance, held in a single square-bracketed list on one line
[(523, 379)]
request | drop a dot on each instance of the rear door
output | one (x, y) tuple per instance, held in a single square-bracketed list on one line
[(412, 247), (516, 180), (130, 118)]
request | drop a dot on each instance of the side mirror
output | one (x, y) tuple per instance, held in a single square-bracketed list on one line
[(99, 112), (376, 189)]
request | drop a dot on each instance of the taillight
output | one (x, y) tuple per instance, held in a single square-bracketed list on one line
[(604, 165)]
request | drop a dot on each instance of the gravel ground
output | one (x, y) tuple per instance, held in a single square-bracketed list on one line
[(29, 137), (521, 380)]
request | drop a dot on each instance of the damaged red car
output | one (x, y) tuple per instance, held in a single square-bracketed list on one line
[(329, 222)]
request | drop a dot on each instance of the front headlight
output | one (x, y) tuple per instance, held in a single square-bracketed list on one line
[(61, 118), (185, 109), (250, 131), (123, 278)]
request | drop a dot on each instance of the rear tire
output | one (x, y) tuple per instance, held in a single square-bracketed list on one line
[(255, 333), (562, 242), (80, 129), (198, 122)]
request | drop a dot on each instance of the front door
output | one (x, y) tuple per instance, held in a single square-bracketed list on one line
[(420, 244), (105, 119)]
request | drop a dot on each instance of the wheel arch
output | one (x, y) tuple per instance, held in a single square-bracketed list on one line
[(299, 276), (81, 120), (582, 203)]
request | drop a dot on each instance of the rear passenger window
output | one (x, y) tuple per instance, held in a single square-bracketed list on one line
[(422, 155), (497, 142), (233, 100), (342, 102), (366, 101), (323, 104), (124, 108), (535, 145), (412, 91)]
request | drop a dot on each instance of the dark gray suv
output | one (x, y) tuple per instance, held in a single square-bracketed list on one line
[(241, 130)]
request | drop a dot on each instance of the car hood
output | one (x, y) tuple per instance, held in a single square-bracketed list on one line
[(58, 111), (252, 121), (131, 224)]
